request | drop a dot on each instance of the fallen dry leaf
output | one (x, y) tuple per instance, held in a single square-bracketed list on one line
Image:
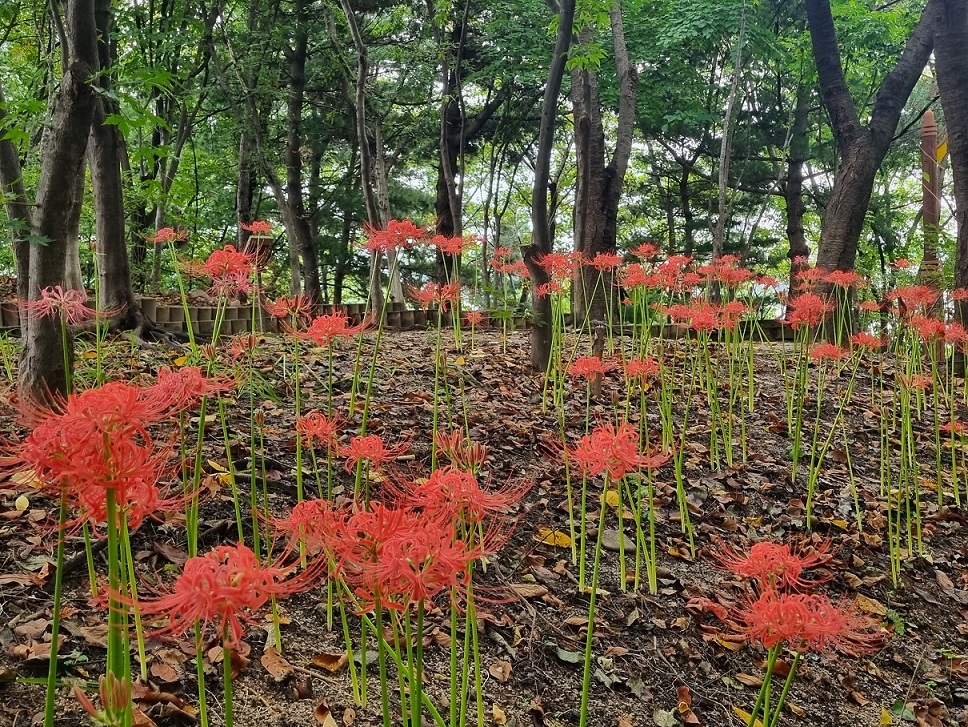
[(324, 715), (275, 663), (331, 662), (500, 670)]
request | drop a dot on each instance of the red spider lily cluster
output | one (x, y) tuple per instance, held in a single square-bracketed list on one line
[(258, 228), (398, 235), (68, 306), (370, 450), (808, 310), (325, 329), (590, 368), (229, 270), (291, 308), (454, 245), (225, 589), (462, 451), (316, 428), (100, 441), (397, 557), (614, 451), (433, 294), (781, 614), (704, 317), (167, 234)]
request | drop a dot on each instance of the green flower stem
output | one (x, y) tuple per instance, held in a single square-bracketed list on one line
[(227, 683), (133, 586), (56, 617), (200, 676), (587, 673)]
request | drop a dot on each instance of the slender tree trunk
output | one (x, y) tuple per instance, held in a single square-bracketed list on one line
[(599, 189), (542, 236), (42, 372), (793, 188), (951, 66), (862, 148), (104, 152), (17, 204)]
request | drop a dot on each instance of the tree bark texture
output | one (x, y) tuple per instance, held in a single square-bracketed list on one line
[(599, 185), (42, 372), (542, 235), (951, 66), (862, 148), (793, 188), (104, 157), (17, 204)]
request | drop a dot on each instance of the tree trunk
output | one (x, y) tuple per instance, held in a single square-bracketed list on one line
[(44, 364), (599, 185), (542, 236), (793, 188), (104, 150), (861, 148), (17, 204), (951, 66)]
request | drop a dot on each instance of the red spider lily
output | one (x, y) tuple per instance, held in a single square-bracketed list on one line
[(928, 329), (436, 294), (809, 278), (901, 264), (808, 623), (371, 449), (419, 562), (318, 428), (955, 333), (474, 317), (917, 297), (727, 271), (641, 368), (167, 234), (645, 251), (827, 352), (228, 269), (318, 525), (871, 306), (242, 345), (325, 329), (454, 245), (605, 261), (225, 588), (590, 368), (177, 390), (864, 340), (917, 382), (614, 451), (461, 451), (774, 565), (635, 276), (809, 310), (293, 308), (517, 268), (115, 700), (401, 235), (959, 294), (455, 495), (259, 228), (558, 266), (68, 306), (957, 428), (845, 279), (767, 281), (552, 287)]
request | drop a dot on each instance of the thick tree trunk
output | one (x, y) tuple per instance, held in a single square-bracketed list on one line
[(42, 372), (951, 66), (861, 148), (793, 188), (542, 237)]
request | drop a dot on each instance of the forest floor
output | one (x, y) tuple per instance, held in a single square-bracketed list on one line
[(658, 659)]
